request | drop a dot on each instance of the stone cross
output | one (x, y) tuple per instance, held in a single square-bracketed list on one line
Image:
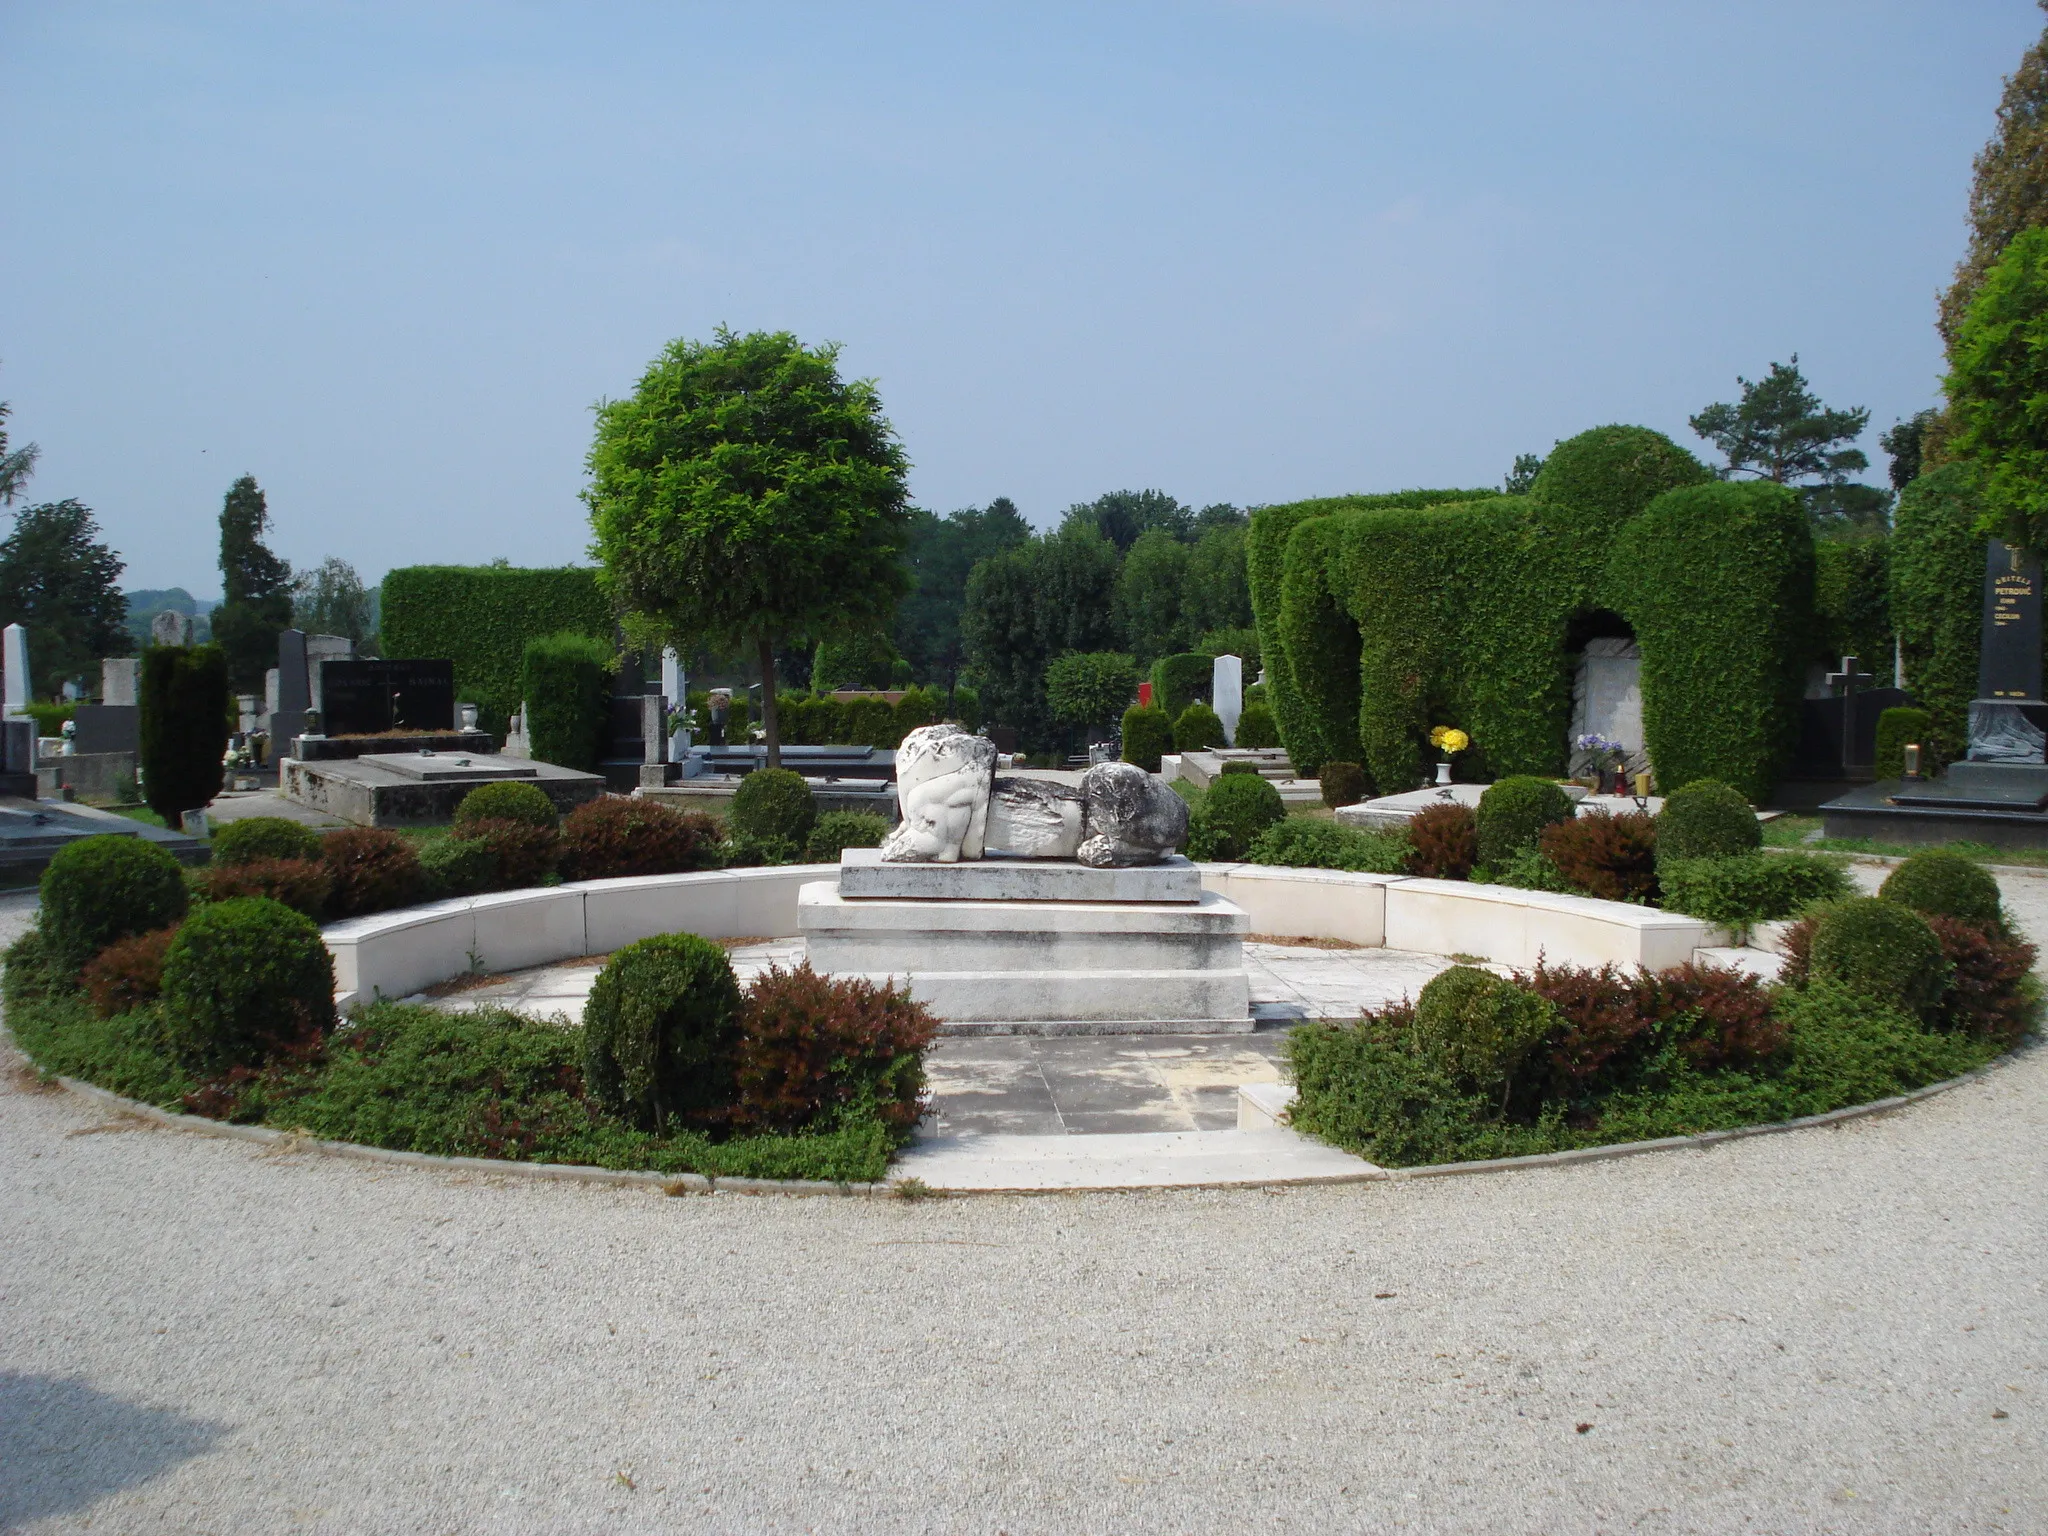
[(14, 658), (1849, 679), (1226, 693)]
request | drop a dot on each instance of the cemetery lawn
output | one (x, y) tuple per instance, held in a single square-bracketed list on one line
[(1798, 832), (141, 813), (486, 1083)]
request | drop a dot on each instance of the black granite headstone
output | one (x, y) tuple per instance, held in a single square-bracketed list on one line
[(107, 728), (2009, 665), (294, 695), (362, 698)]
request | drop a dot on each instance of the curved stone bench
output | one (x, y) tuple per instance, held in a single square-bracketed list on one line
[(395, 954)]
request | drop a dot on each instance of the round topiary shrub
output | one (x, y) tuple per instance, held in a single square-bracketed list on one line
[(457, 866), (1256, 727), (1343, 784), (1615, 472), (1705, 820), (263, 837), (525, 855), (774, 803), (837, 831), (617, 835), (660, 1033), (1148, 736), (374, 870), (1942, 883), (507, 800), (100, 889), (1477, 1027), (1237, 808), (1443, 842), (243, 979), (1198, 728), (1513, 814), (1880, 949)]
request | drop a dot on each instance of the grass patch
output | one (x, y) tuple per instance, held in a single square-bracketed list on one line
[(1794, 832), (141, 813)]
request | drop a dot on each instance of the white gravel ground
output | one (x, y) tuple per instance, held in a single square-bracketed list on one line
[(1839, 1330)]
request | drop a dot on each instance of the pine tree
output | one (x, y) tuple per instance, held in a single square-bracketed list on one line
[(256, 588)]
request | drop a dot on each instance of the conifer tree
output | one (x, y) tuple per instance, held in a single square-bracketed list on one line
[(256, 588)]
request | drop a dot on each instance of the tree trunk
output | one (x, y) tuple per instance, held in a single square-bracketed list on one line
[(766, 647)]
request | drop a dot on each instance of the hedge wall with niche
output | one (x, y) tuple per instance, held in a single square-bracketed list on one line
[(1265, 559), (480, 618), (1852, 605), (1936, 591), (1380, 617)]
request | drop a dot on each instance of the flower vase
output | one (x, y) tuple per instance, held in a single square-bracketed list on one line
[(1443, 773)]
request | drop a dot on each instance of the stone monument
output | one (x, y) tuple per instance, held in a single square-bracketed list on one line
[(294, 692), (1014, 904), (118, 680), (14, 658), (1226, 690)]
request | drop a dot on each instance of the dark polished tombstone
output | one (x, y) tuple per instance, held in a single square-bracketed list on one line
[(1999, 793), (294, 693), (107, 728), (365, 698)]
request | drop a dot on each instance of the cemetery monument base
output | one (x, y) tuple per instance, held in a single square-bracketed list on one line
[(417, 789)]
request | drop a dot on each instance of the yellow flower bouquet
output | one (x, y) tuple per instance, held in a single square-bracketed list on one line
[(1449, 740)]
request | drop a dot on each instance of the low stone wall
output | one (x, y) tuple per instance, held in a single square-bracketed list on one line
[(394, 954)]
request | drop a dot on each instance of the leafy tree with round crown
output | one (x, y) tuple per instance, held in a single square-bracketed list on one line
[(745, 494)]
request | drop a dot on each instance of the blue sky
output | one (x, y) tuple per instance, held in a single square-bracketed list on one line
[(386, 257)]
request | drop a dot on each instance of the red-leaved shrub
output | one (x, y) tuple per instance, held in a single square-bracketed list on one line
[(1604, 1020), (1986, 995), (616, 835), (812, 1047), (526, 854), (374, 871), (1723, 1015), (1443, 842), (1798, 942), (127, 973), (1612, 857), (304, 885)]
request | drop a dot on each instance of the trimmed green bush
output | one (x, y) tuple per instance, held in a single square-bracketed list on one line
[(1852, 606), (1089, 688), (1513, 813), (1881, 949), (774, 803), (1148, 736), (1939, 882), (1896, 728), (1477, 1027), (457, 866), (836, 831), (1197, 729), (742, 850), (1343, 784), (617, 835), (1302, 842), (525, 855), (480, 617), (1234, 811), (1615, 472), (263, 837), (100, 889), (244, 979), (506, 800), (1256, 728), (660, 1032), (1937, 583), (1180, 680), (1238, 767), (183, 727), (1706, 820), (565, 680), (1738, 889)]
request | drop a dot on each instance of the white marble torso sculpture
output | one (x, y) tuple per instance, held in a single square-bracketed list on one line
[(943, 779)]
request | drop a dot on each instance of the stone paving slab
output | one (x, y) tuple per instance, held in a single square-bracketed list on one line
[(1147, 1160)]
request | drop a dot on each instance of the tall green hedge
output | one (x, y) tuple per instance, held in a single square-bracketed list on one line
[(1718, 580), (183, 727), (1379, 619), (481, 616), (566, 682), (1937, 584), (1852, 604), (1266, 545)]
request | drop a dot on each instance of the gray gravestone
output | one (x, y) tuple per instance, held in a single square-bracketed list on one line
[(118, 681), (294, 696), (2009, 660), (321, 649), (169, 628)]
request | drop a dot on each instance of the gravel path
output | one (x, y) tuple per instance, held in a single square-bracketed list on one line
[(1839, 1330)]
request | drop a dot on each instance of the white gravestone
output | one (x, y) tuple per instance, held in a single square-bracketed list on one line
[(943, 781), (1226, 690), (1607, 695), (321, 649), (14, 658), (117, 680), (675, 685)]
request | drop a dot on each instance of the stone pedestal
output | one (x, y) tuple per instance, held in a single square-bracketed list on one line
[(1006, 946)]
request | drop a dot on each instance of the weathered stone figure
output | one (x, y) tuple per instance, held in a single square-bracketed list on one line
[(943, 779), (1131, 817)]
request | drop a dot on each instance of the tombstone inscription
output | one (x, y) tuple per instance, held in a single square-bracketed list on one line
[(2009, 659), (362, 698)]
